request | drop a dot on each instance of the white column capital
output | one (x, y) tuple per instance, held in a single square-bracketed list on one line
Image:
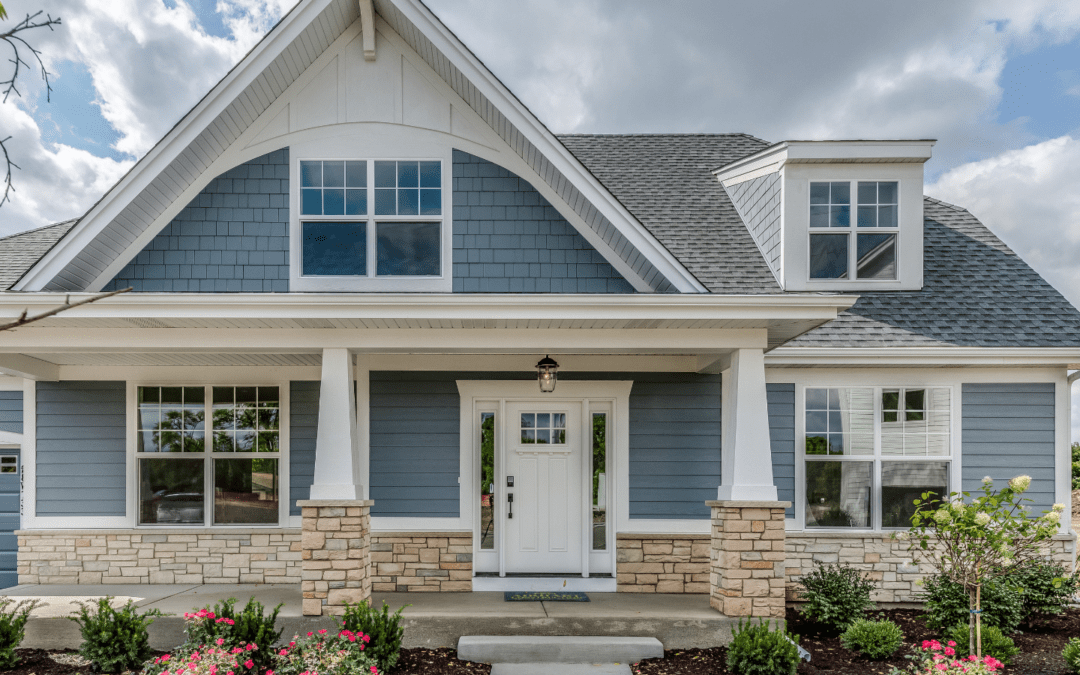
[(337, 473), (746, 452)]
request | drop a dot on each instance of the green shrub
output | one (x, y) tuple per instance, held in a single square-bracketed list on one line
[(384, 628), (994, 642), (12, 625), (835, 595), (875, 640), (947, 604), (114, 640), (757, 650), (1076, 466), (250, 626), (1041, 598), (1071, 654)]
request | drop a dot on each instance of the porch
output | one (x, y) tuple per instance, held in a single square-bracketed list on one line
[(431, 619)]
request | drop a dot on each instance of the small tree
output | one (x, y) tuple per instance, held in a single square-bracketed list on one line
[(989, 536)]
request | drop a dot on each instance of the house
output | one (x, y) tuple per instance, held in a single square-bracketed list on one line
[(389, 332)]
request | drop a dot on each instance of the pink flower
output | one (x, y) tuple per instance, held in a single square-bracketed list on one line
[(375, 670), (269, 672), (949, 651), (293, 644), (283, 652), (310, 634), (352, 638), (322, 631), (220, 641), (925, 644), (941, 666), (210, 614), (367, 638), (249, 664), (951, 643)]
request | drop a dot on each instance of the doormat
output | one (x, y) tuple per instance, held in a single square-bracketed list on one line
[(544, 596)]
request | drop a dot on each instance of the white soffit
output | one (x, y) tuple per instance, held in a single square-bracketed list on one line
[(114, 226)]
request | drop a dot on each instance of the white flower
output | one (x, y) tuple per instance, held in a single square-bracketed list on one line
[(958, 505), (1020, 483), (943, 517), (1058, 507), (1053, 516), (987, 480), (982, 518)]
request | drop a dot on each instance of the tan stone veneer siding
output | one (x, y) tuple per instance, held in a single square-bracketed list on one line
[(336, 547), (422, 561), (160, 556), (747, 575), (886, 561), (658, 563)]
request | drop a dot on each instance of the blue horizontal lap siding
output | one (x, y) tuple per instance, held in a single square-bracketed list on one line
[(781, 399), (233, 237), (81, 449), (11, 411), (674, 444), (1008, 430), (509, 239), (303, 429)]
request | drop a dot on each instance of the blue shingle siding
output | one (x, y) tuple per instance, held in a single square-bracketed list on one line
[(781, 398), (303, 429), (1008, 430), (674, 444), (81, 449), (509, 239), (11, 411), (233, 237)]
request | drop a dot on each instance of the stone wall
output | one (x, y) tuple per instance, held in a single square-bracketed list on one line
[(886, 562), (422, 561), (747, 576), (336, 548), (654, 563), (175, 556)]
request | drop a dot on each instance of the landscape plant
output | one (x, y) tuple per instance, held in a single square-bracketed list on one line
[(1076, 466), (324, 652), (1071, 655), (875, 640), (382, 628), (250, 626), (947, 603), (934, 658), (1047, 589), (994, 643), (758, 650), (970, 542), (204, 660), (13, 618), (835, 595), (114, 640)]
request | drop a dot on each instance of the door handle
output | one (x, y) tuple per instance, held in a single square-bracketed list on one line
[(510, 504)]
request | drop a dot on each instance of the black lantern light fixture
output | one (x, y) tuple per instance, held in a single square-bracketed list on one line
[(547, 371)]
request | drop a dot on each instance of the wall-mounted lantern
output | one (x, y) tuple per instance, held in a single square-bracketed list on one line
[(547, 371)]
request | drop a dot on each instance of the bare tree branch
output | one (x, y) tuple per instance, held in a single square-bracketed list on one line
[(24, 319)]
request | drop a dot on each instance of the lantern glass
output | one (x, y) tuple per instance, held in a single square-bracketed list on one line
[(547, 372)]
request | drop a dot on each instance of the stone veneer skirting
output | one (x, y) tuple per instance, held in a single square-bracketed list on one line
[(336, 547), (657, 563), (747, 568), (422, 561), (159, 556)]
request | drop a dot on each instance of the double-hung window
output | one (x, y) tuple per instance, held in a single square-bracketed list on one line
[(375, 219), (871, 451), (854, 240), (208, 455)]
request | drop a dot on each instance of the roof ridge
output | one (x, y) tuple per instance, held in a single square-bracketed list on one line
[(38, 229)]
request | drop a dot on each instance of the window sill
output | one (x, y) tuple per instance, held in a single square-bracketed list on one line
[(371, 285), (165, 529)]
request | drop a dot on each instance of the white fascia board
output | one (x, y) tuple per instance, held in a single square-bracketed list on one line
[(823, 152), (1061, 357), (539, 135), (171, 146), (769, 160)]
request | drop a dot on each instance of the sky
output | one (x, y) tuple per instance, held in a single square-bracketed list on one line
[(996, 82)]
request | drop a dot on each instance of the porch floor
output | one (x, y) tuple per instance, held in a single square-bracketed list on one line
[(431, 619)]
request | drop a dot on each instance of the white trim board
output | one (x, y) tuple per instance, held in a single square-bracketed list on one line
[(572, 584)]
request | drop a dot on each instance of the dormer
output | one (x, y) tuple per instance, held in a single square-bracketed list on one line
[(835, 216)]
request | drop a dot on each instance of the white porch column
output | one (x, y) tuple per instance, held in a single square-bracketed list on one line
[(746, 455), (337, 474)]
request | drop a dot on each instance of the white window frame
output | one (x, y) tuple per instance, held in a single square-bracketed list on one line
[(371, 283), (852, 231), (208, 457), (952, 459)]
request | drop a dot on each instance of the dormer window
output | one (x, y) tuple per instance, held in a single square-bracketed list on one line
[(863, 247)]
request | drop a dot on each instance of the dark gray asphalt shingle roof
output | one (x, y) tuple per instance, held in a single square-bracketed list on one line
[(19, 252)]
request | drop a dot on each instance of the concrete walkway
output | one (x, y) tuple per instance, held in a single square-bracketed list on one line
[(431, 619)]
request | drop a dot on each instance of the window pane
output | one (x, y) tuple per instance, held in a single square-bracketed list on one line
[(921, 424), (819, 216), (334, 174), (335, 249), (431, 174), (887, 216), (838, 494), (846, 424), (408, 175), (385, 174), (430, 202), (172, 396), (819, 193), (599, 482), (867, 192), (904, 482), (487, 481), (245, 491), (887, 192), (409, 249), (333, 202), (311, 202), (385, 202), (828, 256), (867, 216), (840, 193), (356, 174), (877, 256), (408, 202), (356, 202), (171, 491), (311, 174), (840, 216)]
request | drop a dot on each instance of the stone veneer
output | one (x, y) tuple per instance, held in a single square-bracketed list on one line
[(173, 556), (886, 561), (422, 561), (748, 570), (336, 554), (656, 563)]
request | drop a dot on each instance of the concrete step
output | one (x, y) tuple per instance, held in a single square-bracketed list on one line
[(583, 649), (564, 669)]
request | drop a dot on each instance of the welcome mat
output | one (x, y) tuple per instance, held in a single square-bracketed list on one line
[(544, 596)]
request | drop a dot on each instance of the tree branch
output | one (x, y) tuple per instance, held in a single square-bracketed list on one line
[(24, 319)]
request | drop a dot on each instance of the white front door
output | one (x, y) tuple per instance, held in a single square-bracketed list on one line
[(542, 456)]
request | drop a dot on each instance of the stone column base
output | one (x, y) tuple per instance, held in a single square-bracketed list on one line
[(748, 569), (336, 554)]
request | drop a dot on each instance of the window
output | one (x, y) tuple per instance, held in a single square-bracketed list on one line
[(870, 451), (859, 247), (376, 218), (487, 481), (232, 481), (543, 428), (599, 481)]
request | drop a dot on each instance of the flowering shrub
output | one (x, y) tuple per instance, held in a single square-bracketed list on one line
[(212, 660), (248, 626), (937, 659), (994, 643), (384, 629), (324, 653)]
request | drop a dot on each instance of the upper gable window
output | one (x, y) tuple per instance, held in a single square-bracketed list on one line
[(854, 241)]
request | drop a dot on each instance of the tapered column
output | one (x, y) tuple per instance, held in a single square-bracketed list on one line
[(337, 472), (746, 454)]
